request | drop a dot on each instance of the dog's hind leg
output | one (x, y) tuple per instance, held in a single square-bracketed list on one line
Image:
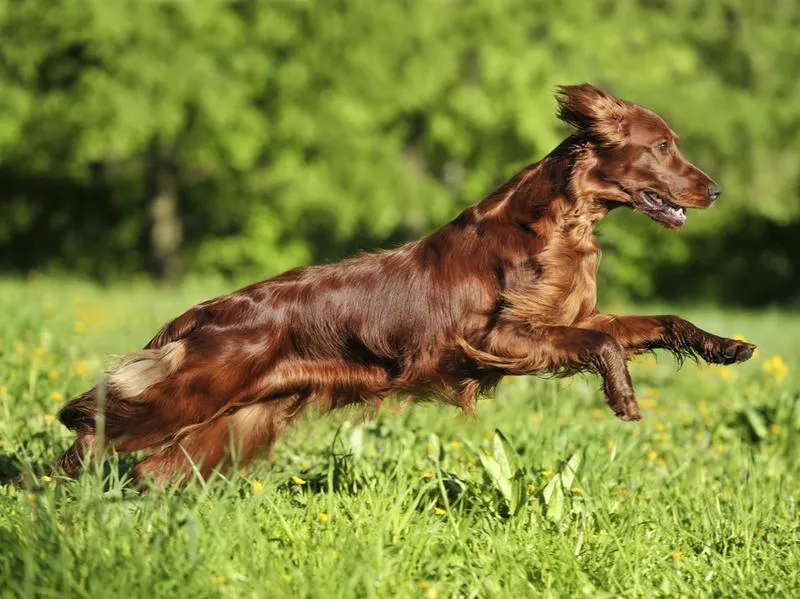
[(230, 439)]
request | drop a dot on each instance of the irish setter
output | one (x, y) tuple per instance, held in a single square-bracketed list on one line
[(506, 288)]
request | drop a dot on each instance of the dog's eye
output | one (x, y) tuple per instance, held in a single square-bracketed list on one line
[(663, 147)]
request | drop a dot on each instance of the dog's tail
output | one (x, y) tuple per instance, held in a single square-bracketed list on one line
[(135, 374)]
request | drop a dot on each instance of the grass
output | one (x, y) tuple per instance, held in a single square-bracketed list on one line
[(699, 499)]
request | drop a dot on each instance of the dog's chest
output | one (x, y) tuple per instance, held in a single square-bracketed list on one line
[(561, 290)]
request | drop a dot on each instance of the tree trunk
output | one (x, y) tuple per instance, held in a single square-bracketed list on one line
[(166, 233)]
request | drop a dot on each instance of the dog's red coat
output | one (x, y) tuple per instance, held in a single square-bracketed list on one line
[(508, 287)]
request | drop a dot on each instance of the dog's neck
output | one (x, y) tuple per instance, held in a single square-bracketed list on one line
[(561, 194)]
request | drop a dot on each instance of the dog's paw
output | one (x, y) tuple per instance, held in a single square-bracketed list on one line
[(730, 351), (626, 409)]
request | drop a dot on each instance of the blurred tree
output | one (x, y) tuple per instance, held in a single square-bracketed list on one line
[(247, 137)]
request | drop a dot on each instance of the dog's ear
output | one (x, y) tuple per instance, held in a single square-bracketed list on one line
[(593, 112)]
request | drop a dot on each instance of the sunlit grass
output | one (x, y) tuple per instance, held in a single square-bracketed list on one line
[(699, 498)]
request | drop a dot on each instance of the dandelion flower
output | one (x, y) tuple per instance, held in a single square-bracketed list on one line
[(775, 367), (257, 486), (440, 511), (455, 444), (57, 396), (47, 479), (652, 455), (676, 555), (298, 481), (323, 517), (81, 366), (597, 413), (48, 418), (547, 473), (53, 374), (576, 490), (38, 352), (220, 579)]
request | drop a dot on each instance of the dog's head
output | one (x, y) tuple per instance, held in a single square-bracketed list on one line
[(635, 156)]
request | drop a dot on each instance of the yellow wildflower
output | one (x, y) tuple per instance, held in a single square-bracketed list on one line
[(30, 496), (775, 367), (660, 462), (2, 389), (47, 479), (48, 418), (79, 326), (57, 396), (652, 455), (298, 481), (576, 490), (547, 473), (440, 511), (53, 374), (660, 427), (424, 585), (257, 486), (323, 517), (455, 444), (612, 444), (775, 429), (81, 366), (220, 579), (726, 374), (676, 555), (531, 488), (38, 352), (428, 475), (597, 413)]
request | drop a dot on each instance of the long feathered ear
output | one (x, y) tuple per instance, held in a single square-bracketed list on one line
[(593, 112)]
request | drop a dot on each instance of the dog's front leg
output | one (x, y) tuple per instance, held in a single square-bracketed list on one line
[(520, 349), (642, 333)]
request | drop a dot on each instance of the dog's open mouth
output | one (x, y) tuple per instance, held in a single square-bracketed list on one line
[(662, 210)]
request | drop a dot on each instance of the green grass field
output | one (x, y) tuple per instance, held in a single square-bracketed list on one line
[(698, 499)]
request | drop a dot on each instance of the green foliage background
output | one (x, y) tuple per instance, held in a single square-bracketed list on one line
[(243, 138)]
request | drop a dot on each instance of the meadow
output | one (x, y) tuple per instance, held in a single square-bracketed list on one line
[(545, 493)]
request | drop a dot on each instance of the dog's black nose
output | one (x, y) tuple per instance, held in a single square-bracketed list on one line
[(714, 192)]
